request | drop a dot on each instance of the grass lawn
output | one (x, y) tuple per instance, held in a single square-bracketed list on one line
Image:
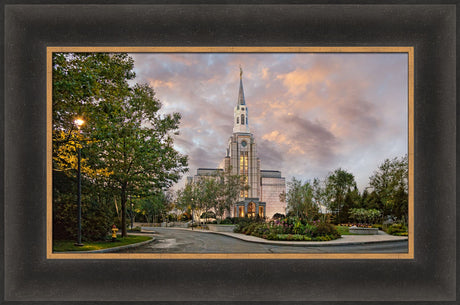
[(68, 245)]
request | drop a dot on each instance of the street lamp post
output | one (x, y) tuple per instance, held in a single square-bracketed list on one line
[(79, 123), (192, 214), (132, 215)]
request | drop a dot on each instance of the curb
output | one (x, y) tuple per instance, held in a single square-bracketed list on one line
[(299, 243), (307, 244), (115, 249)]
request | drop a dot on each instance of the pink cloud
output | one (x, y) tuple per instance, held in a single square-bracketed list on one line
[(318, 110)]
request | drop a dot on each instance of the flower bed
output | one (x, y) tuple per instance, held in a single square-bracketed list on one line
[(292, 229)]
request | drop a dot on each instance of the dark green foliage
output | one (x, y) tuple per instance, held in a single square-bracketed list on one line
[(390, 184), (325, 229), (339, 184), (397, 229), (365, 216), (97, 222), (227, 221), (288, 229), (98, 216), (127, 145)]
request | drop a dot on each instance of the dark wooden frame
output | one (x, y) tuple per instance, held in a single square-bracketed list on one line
[(28, 276)]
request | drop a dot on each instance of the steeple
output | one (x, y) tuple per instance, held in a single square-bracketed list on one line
[(241, 100), (240, 113)]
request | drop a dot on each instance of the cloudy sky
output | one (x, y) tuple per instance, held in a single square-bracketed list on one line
[(310, 113)]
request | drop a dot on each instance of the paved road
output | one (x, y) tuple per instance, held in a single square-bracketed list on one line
[(181, 241)]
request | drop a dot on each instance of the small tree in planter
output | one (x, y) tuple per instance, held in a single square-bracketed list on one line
[(365, 216)]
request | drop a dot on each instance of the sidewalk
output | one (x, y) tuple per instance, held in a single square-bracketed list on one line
[(382, 237)]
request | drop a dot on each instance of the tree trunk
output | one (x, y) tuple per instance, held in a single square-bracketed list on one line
[(124, 233)]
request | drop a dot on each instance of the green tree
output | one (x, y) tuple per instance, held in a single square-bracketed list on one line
[(299, 198), (228, 193), (211, 190), (192, 197), (320, 195), (128, 145), (152, 207), (390, 184), (338, 184)]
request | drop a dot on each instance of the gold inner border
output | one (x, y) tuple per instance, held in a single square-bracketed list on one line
[(49, 213)]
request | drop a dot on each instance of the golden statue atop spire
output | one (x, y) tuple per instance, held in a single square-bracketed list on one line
[(241, 72)]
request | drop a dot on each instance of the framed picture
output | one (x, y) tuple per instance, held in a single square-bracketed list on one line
[(34, 272), (292, 82)]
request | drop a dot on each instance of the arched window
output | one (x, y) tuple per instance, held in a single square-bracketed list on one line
[(246, 120), (237, 120), (242, 119)]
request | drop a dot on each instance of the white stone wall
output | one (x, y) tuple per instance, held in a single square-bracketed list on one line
[(271, 189)]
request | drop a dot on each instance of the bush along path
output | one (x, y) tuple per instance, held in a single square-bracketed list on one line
[(292, 229)]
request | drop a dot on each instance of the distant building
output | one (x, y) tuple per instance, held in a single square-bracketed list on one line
[(262, 194)]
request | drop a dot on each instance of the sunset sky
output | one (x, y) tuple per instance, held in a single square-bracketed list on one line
[(310, 113)]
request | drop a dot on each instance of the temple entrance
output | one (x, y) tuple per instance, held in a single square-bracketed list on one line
[(241, 211), (261, 211), (251, 209)]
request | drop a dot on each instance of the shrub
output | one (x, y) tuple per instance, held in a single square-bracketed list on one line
[(278, 216), (324, 228), (226, 221), (292, 229), (396, 229)]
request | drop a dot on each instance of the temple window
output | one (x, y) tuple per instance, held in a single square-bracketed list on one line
[(237, 120), (242, 119)]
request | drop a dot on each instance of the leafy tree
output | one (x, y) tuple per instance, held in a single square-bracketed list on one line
[(128, 145), (390, 184), (320, 195), (191, 197), (152, 207), (299, 198), (352, 200), (211, 190), (338, 184), (229, 191)]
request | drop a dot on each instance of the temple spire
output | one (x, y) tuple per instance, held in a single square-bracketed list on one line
[(241, 100), (240, 117)]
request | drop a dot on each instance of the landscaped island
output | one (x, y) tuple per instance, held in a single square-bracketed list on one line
[(291, 228)]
